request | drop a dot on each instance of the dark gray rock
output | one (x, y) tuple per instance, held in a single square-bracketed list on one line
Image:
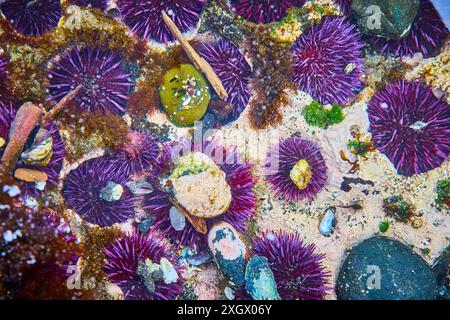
[(382, 268), (441, 268), (391, 19)]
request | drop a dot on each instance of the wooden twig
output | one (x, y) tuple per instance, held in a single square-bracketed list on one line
[(30, 175), (198, 61), (61, 105)]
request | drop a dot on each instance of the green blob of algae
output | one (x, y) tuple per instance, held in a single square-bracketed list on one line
[(184, 95), (443, 194), (317, 115), (383, 226)]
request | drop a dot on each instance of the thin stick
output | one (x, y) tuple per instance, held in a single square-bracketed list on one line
[(61, 105), (198, 61)]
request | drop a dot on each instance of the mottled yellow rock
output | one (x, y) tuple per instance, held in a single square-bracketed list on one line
[(301, 174)]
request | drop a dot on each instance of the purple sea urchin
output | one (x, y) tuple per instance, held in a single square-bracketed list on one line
[(98, 194), (105, 82), (8, 109), (124, 258), (301, 170), (428, 33), (263, 11), (137, 154), (410, 126), (3, 66), (327, 61), (100, 4), (144, 17), (242, 207), (32, 18), (234, 71), (297, 269)]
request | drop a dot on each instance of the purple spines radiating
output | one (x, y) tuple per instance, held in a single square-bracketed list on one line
[(3, 67), (123, 257), (139, 153), (263, 11), (297, 268), (82, 193), (105, 81), (327, 61), (234, 71), (32, 17), (239, 177), (283, 158), (410, 126), (8, 110), (144, 17), (427, 34), (100, 4)]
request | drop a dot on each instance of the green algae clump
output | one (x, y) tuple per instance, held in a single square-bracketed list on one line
[(315, 114), (184, 94), (383, 226), (443, 195)]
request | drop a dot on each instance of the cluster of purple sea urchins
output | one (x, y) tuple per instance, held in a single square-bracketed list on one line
[(233, 70), (297, 268), (98, 194), (124, 258), (105, 81), (263, 11), (296, 169), (144, 18), (8, 110), (32, 18), (100, 4), (410, 126), (137, 154), (327, 61), (241, 181), (427, 34)]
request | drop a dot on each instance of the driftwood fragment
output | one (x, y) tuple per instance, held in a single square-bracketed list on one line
[(30, 175), (28, 117), (198, 61)]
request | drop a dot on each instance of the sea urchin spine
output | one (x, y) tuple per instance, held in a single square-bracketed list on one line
[(410, 126), (32, 18), (327, 61), (297, 269), (105, 82), (263, 11), (144, 17), (301, 171), (124, 258)]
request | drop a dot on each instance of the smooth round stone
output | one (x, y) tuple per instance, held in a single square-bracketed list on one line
[(259, 280), (382, 268), (391, 19), (328, 222), (184, 95), (229, 251), (200, 186)]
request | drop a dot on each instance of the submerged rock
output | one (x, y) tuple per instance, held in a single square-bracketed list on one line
[(111, 192), (441, 268), (328, 222), (140, 187), (169, 273), (382, 268), (259, 281), (391, 19), (177, 220), (229, 251)]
